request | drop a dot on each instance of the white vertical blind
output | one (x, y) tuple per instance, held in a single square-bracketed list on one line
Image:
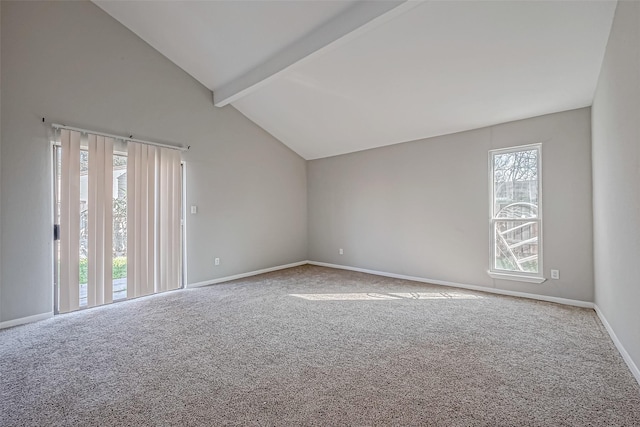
[(153, 219), (168, 221), (100, 221), (141, 190), (69, 290)]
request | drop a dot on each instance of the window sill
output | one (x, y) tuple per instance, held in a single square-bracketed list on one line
[(516, 277)]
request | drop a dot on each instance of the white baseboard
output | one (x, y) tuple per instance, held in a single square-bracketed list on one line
[(23, 320), (243, 275), (565, 301), (623, 352)]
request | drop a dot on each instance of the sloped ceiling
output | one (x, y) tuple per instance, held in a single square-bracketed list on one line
[(328, 78)]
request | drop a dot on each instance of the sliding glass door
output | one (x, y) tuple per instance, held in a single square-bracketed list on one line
[(92, 210)]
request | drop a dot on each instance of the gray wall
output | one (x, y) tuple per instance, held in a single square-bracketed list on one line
[(422, 208), (616, 179), (72, 63), (0, 159)]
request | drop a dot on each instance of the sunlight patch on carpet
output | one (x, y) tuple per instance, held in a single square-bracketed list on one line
[(372, 296)]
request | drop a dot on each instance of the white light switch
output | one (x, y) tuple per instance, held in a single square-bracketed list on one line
[(194, 209)]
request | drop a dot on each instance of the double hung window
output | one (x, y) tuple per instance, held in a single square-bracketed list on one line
[(516, 213)]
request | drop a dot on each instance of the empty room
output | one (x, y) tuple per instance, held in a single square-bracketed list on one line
[(314, 212)]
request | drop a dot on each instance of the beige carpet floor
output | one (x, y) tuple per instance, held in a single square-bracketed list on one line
[(317, 346)]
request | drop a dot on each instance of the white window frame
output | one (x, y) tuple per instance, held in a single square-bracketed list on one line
[(510, 274)]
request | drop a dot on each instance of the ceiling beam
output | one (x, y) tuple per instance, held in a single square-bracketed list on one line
[(357, 19)]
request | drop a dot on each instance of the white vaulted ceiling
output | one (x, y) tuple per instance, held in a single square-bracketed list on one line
[(328, 77)]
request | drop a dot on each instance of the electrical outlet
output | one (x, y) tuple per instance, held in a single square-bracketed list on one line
[(217, 261), (555, 274), (341, 251), (194, 209)]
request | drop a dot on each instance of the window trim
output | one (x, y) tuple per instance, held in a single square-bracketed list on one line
[(508, 274)]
